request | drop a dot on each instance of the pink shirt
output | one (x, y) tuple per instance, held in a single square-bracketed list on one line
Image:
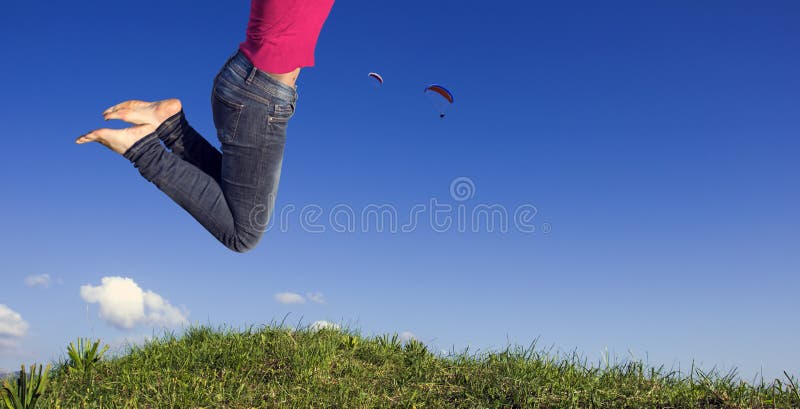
[(282, 34)]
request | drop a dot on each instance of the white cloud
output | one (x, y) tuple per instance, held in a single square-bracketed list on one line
[(125, 305), (320, 325), (11, 323), (407, 336), (41, 280), (289, 298), (294, 298), (316, 297), (7, 343), (161, 312)]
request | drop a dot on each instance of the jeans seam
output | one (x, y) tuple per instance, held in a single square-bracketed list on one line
[(248, 93)]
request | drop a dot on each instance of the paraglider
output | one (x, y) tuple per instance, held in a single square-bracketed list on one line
[(377, 77), (440, 96)]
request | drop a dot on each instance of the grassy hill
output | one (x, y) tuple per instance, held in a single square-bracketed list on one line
[(281, 368)]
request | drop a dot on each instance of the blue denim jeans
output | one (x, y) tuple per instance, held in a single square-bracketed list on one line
[(231, 193)]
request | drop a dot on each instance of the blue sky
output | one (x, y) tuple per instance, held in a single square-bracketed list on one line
[(657, 141)]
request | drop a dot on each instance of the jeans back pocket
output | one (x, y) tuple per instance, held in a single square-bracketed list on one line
[(226, 116)]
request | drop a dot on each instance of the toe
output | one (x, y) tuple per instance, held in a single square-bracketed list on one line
[(113, 114), (131, 116), (98, 135), (131, 104), (87, 137)]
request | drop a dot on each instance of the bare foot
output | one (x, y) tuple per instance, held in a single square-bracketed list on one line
[(118, 140), (141, 112), (145, 116)]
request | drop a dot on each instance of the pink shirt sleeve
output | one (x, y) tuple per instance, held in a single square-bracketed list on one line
[(282, 34)]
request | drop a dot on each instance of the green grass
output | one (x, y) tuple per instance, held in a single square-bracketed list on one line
[(275, 367)]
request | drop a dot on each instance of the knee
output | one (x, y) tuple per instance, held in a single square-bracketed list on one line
[(242, 243)]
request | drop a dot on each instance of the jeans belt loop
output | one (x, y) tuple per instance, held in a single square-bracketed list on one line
[(252, 75)]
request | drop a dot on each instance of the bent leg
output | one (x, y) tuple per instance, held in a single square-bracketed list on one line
[(251, 111), (176, 134), (190, 146), (191, 188)]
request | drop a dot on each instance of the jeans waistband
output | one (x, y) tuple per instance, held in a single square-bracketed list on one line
[(242, 67)]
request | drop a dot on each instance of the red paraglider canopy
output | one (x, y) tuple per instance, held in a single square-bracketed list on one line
[(441, 91)]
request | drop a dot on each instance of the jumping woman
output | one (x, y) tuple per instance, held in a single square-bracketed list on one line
[(232, 192)]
